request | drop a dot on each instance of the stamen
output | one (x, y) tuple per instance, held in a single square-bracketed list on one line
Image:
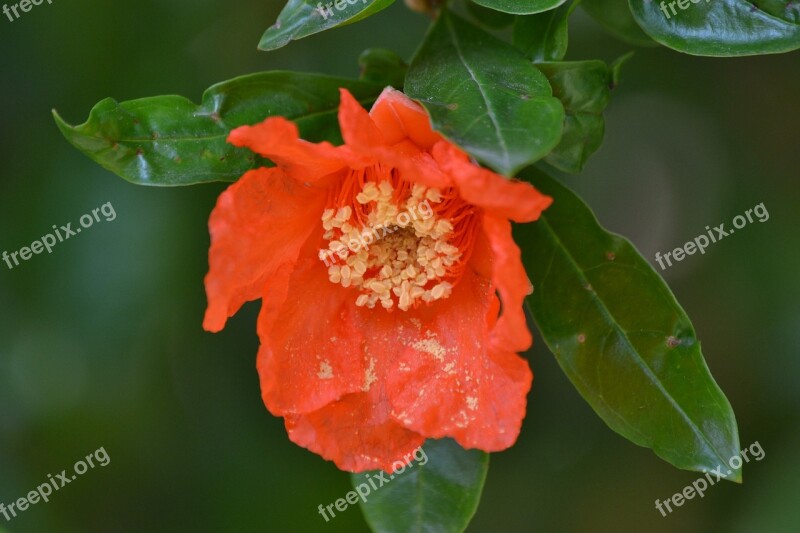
[(398, 243)]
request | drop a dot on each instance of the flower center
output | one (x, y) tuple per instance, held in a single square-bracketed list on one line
[(399, 244)]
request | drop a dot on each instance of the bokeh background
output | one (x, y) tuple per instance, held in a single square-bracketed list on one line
[(101, 341)]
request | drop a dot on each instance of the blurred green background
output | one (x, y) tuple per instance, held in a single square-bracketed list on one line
[(101, 341)]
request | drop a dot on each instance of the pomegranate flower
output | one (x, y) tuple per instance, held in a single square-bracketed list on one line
[(383, 266)]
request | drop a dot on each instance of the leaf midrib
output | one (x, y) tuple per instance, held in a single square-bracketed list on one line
[(638, 359), (363, 102), (489, 110)]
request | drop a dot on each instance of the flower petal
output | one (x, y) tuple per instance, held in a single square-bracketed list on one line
[(399, 118), (279, 140), (311, 345), (357, 433), (358, 129), (361, 132), (360, 432), (511, 332), (449, 382), (508, 198), (414, 164), (259, 223)]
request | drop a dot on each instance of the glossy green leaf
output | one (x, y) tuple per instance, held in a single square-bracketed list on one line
[(721, 27), (622, 338), (616, 17), (584, 87), (520, 7), (301, 18), (489, 17), (383, 67), (168, 140), (438, 492), (544, 37), (484, 95)]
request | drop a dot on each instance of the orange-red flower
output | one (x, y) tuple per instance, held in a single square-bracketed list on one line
[(383, 265)]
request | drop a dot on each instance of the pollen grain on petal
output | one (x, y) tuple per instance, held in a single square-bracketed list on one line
[(369, 375), (325, 370), (431, 346)]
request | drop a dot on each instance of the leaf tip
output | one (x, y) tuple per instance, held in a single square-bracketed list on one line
[(63, 126), (56, 116), (265, 44), (616, 68)]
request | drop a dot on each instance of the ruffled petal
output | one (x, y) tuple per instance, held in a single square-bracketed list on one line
[(357, 433), (279, 140), (414, 164), (399, 118), (311, 344), (361, 132), (508, 198), (450, 383), (259, 223), (358, 129), (360, 431), (511, 332)]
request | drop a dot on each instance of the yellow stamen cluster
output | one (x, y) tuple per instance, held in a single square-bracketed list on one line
[(399, 255)]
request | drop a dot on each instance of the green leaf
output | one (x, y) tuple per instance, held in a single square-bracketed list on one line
[(489, 17), (168, 140), (544, 37), (584, 89), (382, 66), (484, 95), (301, 18), (721, 27), (616, 17), (440, 492), (520, 7), (622, 338)]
